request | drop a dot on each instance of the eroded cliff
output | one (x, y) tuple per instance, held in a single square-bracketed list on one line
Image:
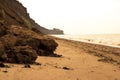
[(18, 42)]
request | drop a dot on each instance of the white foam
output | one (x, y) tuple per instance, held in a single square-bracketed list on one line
[(112, 40)]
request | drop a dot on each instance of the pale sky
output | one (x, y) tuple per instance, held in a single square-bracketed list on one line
[(76, 16)]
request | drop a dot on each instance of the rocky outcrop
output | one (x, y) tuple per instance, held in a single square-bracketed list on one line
[(19, 42), (44, 46), (57, 31), (54, 31), (21, 45)]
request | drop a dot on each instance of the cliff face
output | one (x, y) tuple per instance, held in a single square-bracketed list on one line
[(18, 43), (12, 12)]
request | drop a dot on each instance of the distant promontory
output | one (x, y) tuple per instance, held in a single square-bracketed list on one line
[(55, 31)]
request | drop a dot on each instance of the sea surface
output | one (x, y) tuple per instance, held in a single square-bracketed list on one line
[(105, 39)]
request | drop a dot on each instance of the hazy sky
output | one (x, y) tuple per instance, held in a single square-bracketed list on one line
[(76, 16)]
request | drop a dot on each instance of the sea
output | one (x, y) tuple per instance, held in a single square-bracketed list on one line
[(104, 39)]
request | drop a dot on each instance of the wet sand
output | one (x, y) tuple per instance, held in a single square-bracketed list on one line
[(79, 61)]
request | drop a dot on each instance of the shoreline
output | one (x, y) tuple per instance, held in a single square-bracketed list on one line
[(107, 52), (72, 40), (91, 39)]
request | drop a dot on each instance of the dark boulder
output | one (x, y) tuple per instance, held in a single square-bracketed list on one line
[(44, 47), (21, 45), (22, 54), (48, 44)]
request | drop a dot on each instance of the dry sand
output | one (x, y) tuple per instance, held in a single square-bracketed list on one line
[(78, 64)]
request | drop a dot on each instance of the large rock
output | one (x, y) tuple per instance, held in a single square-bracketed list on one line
[(21, 45), (48, 44), (44, 46), (22, 54)]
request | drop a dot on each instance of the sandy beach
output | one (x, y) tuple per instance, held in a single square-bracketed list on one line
[(79, 61), (60, 40)]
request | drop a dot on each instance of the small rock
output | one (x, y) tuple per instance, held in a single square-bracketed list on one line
[(114, 70), (116, 79), (36, 63), (118, 63), (66, 68), (27, 66), (5, 71), (56, 67), (77, 79), (92, 71)]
